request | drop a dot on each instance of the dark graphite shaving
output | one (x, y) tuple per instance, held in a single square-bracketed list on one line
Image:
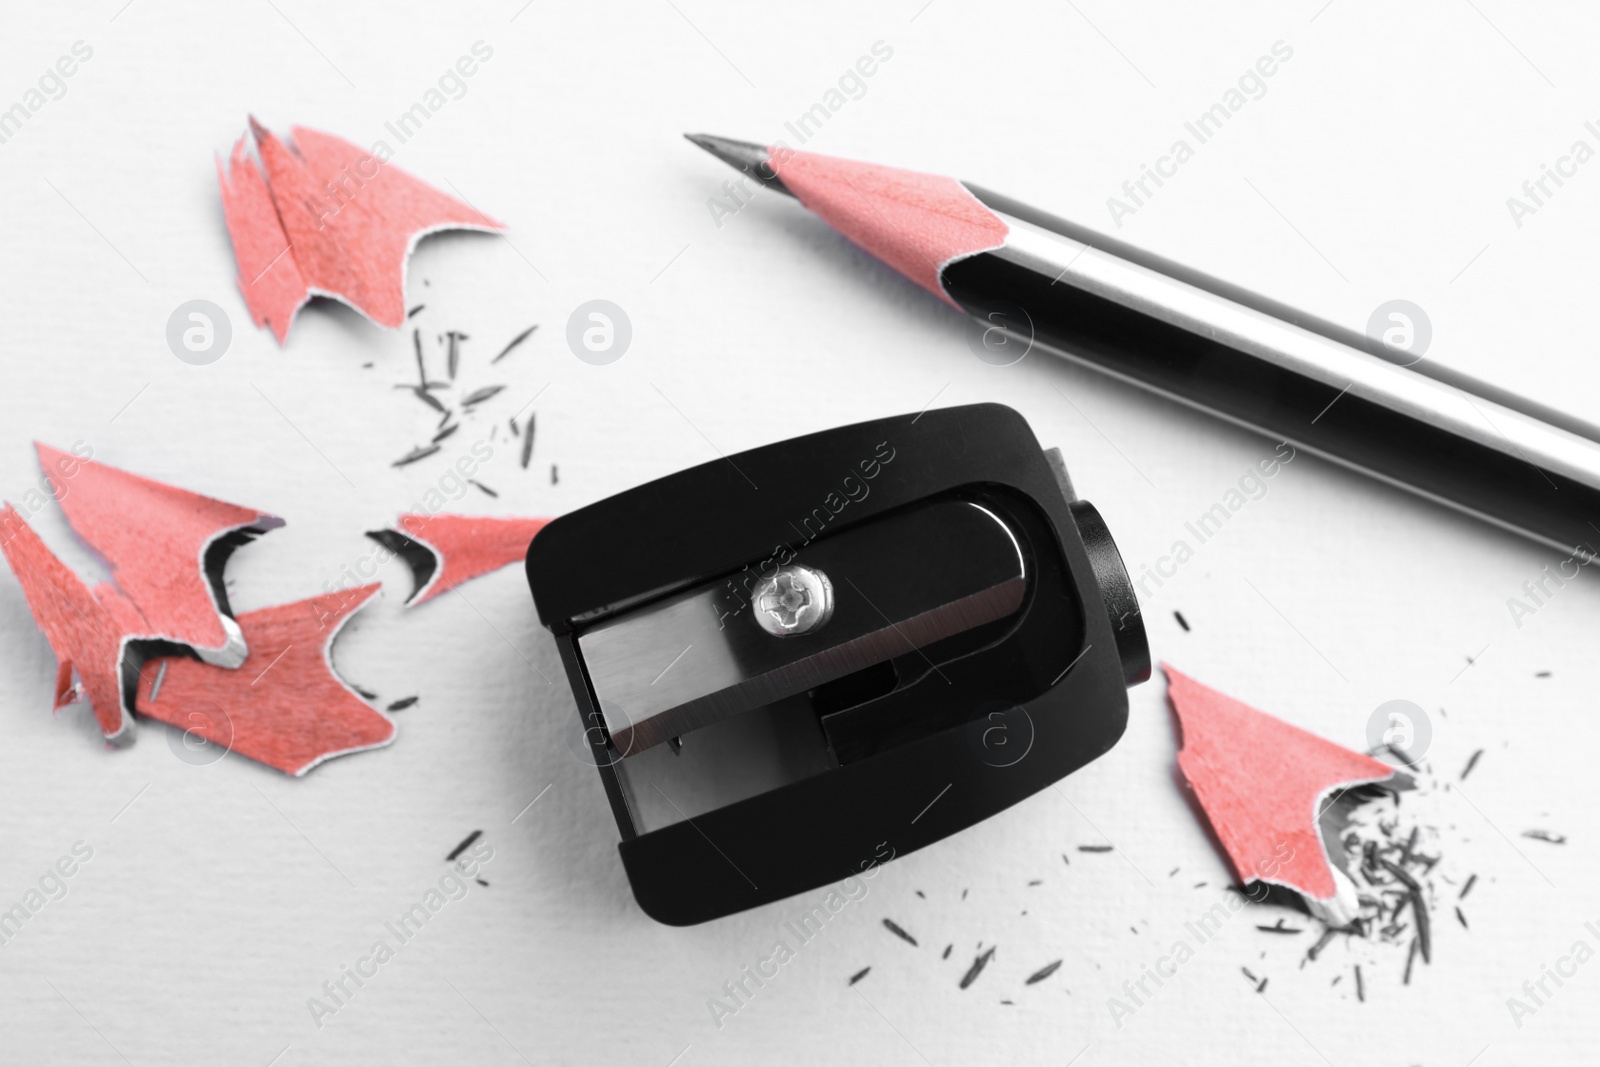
[(897, 930), (466, 842), (454, 403), (1387, 838)]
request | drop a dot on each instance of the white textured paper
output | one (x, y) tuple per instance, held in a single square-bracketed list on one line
[(219, 899)]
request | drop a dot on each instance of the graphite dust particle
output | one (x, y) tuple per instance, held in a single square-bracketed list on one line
[(977, 967), (466, 843), (1043, 972), (897, 930)]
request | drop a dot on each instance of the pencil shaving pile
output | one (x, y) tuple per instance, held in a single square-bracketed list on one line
[(1378, 851), (1263, 785), (160, 639)]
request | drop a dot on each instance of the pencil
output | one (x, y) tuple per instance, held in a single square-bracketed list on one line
[(1040, 281)]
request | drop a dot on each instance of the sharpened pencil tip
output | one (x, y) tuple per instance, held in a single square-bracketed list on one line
[(752, 159)]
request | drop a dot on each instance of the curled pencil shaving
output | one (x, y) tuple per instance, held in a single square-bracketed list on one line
[(446, 550), (327, 218)]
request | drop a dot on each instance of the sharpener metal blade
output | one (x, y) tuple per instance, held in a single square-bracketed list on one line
[(900, 583)]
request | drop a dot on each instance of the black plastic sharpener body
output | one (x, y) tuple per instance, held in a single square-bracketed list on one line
[(979, 637)]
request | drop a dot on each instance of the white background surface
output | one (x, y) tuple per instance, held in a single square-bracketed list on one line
[(221, 897)]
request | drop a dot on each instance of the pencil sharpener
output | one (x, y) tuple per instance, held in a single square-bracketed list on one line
[(796, 662)]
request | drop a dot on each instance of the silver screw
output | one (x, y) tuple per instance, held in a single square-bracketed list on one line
[(795, 600)]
